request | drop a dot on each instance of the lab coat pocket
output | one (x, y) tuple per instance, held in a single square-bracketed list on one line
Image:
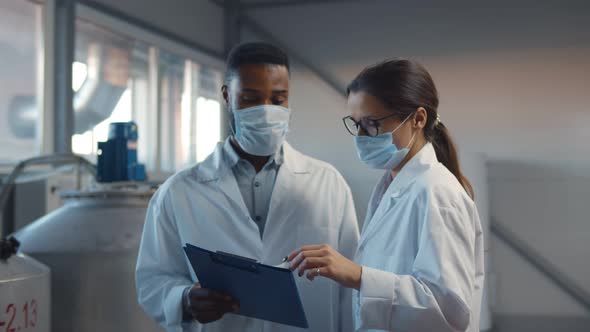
[(317, 235)]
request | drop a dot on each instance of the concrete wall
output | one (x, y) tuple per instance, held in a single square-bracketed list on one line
[(548, 209)]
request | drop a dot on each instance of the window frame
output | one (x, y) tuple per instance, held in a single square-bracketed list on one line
[(157, 42)]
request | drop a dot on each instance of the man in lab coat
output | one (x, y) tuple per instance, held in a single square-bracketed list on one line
[(254, 196)]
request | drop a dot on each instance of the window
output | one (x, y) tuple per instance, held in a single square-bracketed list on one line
[(173, 99), (21, 54), (109, 78), (208, 127)]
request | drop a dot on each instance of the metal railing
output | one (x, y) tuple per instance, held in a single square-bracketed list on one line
[(7, 185)]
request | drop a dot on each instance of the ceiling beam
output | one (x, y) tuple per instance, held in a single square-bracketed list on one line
[(268, 4), (231, 24), (315, 68)]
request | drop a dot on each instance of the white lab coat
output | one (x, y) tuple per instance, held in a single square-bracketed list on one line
[(422, 253), (311, 203)]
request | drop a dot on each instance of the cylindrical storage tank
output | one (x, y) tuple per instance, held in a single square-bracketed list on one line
[(24, 295), (91, 246)]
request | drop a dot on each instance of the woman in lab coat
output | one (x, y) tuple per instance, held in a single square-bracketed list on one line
[(419, 264)]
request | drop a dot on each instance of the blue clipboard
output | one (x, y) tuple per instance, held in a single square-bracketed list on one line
[(264, 292)]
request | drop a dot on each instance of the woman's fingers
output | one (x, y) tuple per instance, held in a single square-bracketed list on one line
[(310, 258), (304, 248), (311, 263), (322, 260), (307, 254), (319, 271)]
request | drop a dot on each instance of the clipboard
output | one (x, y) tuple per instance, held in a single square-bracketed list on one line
[(263, 291)]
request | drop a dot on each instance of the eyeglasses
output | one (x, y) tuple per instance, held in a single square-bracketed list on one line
[(366, 126)]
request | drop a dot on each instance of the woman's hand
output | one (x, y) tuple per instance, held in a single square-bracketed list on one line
[(323, 260)]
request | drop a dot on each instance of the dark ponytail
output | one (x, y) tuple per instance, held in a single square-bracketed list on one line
[(446, 153), (403, 86)]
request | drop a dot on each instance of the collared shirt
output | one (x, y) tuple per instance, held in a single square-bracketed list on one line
[(256, 188)]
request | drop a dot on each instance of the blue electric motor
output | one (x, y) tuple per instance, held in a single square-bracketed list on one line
[(117, 157)]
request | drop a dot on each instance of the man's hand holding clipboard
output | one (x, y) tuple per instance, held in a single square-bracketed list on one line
[(242, 286)]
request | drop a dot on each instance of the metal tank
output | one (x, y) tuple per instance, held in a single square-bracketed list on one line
[(25, 302), (24, 291), (91, 246)]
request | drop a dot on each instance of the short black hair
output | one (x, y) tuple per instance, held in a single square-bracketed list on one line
[(254, 53)]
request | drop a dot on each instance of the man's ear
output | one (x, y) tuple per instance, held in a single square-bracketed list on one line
[(225, 94)]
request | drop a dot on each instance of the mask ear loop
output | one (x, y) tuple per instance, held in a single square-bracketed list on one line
[(401, 124), (411, 141), (232, 122)]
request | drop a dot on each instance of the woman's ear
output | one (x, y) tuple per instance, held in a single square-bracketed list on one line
[(420, 118)]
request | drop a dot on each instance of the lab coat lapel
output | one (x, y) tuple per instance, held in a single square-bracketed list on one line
[(216, 170), (281, 203), (229, 186), (400, 185)]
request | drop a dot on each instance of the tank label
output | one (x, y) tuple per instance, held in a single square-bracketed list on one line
[(24, 305)]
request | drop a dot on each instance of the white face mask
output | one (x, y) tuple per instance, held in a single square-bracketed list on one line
[(379, 151), (261, 130)]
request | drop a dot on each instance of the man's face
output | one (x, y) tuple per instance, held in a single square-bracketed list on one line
[(257, 84)]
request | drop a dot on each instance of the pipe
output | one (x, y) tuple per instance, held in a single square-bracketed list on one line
[(54, 160)]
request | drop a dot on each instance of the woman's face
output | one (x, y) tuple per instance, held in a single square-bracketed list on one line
[(363, 105)]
